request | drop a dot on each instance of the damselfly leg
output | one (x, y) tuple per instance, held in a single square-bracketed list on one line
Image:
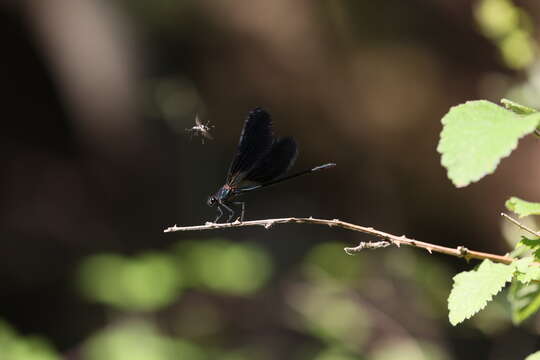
[(243, 204)]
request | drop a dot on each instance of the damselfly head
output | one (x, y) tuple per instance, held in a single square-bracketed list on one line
[(212, 201)]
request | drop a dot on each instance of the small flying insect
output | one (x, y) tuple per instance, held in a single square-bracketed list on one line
[(260, 161), (200, 129)]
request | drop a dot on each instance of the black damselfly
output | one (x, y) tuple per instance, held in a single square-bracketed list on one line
[(260, 161)]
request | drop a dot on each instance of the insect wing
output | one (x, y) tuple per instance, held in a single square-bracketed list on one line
[(276, 162), (197, 120), (255, 142), (206, 133)]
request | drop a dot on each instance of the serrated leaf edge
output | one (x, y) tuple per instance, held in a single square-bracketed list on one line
[(497, 162), (485, 302)]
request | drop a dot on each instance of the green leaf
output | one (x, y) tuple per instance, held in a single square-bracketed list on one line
[(477, 135), (524, 300), (523, 264), (534, 356), (522, 207), (532, 273), (526, 273), (517, 108), (531, 244), (473, 289)]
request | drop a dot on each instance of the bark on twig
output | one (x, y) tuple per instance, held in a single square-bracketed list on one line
[(387, 239)]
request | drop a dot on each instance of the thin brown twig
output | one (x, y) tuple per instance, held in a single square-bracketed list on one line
[(520, 225), (388, 239)]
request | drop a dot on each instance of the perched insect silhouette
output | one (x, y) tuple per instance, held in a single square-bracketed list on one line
[(261, 160), (200, 129)]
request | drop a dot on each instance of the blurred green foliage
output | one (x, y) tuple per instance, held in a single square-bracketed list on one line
[(138, 340), (326, 261), (336, 354), (510, 28), (497, 17), (225, 267), (333, 315), (428, 276), (145, 283), (324, 300), (524, 300), (329, 311), (16, 347), (151, 281), (408, 350)]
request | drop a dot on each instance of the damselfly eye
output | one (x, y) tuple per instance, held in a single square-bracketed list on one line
[(211, 201)]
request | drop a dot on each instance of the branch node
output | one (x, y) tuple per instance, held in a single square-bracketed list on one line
[(333, 222), (464, 253)]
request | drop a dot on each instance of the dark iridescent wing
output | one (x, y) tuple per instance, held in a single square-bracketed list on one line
[(255, 142), (276, 162)]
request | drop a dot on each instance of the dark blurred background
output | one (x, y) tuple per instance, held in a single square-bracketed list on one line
[(95, 163)]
